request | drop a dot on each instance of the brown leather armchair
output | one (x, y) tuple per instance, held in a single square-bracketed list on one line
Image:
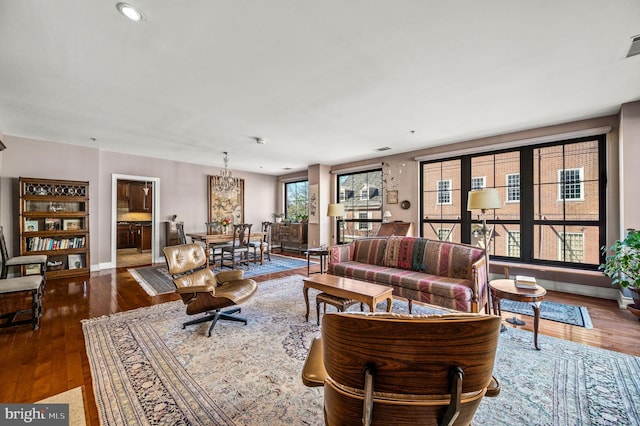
[(202, 290), (384, 369)]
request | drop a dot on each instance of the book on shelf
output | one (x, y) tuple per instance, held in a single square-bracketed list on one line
[(523, 281)]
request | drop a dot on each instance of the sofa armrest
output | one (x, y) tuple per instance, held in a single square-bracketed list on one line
[(480, 279), (341, 253)]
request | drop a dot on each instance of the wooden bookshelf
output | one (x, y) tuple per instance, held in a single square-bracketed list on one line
[(54, 220)]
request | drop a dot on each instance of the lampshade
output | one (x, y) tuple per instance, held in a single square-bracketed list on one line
[(483, 199), (387, 214), (335, 210)]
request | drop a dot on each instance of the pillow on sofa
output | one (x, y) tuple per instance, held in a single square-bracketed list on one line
[(370, 251), (451, 260)]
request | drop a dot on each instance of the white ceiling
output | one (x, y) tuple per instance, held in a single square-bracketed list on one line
[(324, 81)]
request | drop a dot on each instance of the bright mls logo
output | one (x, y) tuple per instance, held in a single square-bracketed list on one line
[(34, 414)]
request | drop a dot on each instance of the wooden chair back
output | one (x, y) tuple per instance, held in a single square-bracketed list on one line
[(3, 247), (241, 235), (266, 228), (403, 369)]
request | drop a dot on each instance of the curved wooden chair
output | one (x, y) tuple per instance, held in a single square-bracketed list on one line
[(391, 369), (202, 290)]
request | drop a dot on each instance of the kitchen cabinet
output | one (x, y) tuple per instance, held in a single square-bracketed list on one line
[(123, 190), (139, 200), (124, 236), (143, 237), (134, 235)]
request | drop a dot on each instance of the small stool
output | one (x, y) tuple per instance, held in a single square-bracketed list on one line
[(339, 302)]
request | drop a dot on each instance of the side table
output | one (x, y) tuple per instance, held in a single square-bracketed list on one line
[(507, 289), (323, 253)]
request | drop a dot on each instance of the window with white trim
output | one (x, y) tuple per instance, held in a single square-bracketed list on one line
[(364, 193), (444, 234), (513, 187), (364, 226), (571, 247), (478, 183), (443, 188), (570, 184), (513, 243)]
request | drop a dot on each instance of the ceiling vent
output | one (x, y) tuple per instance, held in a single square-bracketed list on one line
[(384, 148), (635, 46)]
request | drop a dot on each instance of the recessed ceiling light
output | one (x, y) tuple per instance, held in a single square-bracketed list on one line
[(129, 11)]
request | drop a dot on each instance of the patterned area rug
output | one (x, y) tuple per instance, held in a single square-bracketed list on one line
[(156, 279), (568, 314), (72, 397), (147, 370)]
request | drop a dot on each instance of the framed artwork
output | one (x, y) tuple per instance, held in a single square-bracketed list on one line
[(392, 197), (52, 224), (225, 204), (75, 261), (71, 224), (30, 225), (313, 204)]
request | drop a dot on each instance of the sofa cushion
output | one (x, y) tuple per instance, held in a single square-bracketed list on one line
[(370, 251), (451, 260), (407, 283)]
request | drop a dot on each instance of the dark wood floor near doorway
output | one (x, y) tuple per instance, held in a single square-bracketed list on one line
[(37, 364)]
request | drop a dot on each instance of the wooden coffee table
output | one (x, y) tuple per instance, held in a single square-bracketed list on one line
[(506, 289), (348, 288)]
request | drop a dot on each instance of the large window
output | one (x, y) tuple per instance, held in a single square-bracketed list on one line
[(296, 200), (553, 201), (361, 193)]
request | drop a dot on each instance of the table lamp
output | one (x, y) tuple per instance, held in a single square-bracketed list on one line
[(335, 210), (386, 216)]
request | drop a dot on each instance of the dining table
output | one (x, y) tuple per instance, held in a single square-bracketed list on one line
[(212, 238)]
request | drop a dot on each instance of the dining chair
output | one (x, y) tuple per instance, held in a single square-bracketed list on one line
[(18, 261), (237, 252), (265, 242)]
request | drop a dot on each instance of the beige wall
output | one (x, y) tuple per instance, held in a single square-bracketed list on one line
[(629, 169), (183, 187)]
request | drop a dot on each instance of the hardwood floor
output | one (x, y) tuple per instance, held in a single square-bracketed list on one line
[(41, 363)]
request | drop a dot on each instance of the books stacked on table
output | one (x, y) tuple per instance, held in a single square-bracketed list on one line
[(523, 281)]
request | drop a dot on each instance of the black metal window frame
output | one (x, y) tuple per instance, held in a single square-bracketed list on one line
[(286, 195), (342, 221), (527, 220)]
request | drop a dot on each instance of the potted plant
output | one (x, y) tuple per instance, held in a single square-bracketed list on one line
[(277, 217), (623, 264)]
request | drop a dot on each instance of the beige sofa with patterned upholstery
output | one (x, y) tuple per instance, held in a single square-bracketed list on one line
[(441, 273)]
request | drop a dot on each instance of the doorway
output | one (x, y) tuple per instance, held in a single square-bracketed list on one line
[(135, 220)]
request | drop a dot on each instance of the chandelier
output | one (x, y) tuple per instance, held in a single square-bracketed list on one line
[(225, 182)]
